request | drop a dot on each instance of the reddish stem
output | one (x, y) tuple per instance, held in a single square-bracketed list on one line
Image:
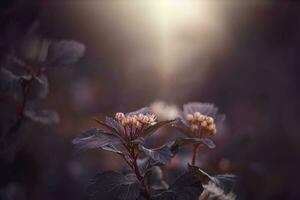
[(195, 151)]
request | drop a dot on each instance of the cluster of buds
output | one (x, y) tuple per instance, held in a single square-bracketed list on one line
[(135, 123), (200, 124)]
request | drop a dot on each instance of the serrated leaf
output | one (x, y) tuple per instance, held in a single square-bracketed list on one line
[(186, 187), (180, 142), (107, 127), (114, 186), (151, 129), (162, 155), (42, 116), (114, 124), (95, 138), (64, 53)]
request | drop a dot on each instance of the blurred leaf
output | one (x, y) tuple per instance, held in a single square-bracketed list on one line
[(204, 108), (186, 187), (95, 138), (151, 129), (224, 182), (114, 186), (42, 116), (154, 179), (34, 48), (11, 83), (144, 110), (39, 87), (64, 53)]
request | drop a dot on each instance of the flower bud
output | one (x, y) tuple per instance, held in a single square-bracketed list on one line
[(189, 118), (137, 124), (140, 116), (197, 115), (119, 116), (212, 128), (210, 120), (204, 124), (194, 127), (124, 122)]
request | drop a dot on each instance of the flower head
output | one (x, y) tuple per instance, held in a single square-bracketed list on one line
[(201, 124), (201, 119), (134, 123)]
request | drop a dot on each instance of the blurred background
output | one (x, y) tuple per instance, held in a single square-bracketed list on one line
[(243, 56)]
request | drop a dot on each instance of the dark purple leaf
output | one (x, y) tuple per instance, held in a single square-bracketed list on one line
[(186, 187), (151, 129), (95, 138), (183, 128), (162, 155), (106, 127), (180, 142), (114, 186), (114, 124), (112, 148)]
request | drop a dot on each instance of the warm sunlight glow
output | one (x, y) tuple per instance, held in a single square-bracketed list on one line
[(181, 25)]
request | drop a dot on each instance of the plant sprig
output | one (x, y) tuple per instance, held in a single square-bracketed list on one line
[(125, 135)]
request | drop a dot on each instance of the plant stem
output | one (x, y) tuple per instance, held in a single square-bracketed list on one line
[(137, 172), (195, 151)]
